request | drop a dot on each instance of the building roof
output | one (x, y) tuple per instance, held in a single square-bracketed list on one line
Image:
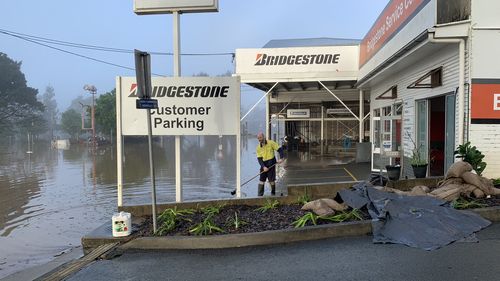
[(311, 42)]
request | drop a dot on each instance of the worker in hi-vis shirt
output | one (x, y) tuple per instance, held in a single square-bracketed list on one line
[(267, 162)]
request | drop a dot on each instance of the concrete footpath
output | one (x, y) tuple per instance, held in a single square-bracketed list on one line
[(354, 258)]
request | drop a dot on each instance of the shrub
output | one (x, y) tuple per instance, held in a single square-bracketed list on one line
[(471, 155)]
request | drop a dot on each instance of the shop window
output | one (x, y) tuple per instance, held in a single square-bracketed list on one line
[(452, 10), (431, 79)]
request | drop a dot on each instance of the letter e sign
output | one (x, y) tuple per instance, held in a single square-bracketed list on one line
[(496, 101)]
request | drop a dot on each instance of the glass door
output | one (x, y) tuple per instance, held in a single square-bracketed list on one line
[(422, 128), (386, 136)]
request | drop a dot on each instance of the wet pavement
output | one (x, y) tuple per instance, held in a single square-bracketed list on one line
[(330, 259)]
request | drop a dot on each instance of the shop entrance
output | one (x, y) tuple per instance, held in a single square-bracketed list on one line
[(436, 130)]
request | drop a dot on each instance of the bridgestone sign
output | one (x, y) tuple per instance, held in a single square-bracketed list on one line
[(186, 106)]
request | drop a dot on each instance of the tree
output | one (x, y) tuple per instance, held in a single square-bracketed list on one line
[(77, 103), (105, 113), (19, 107), (71, 123), (51, 112)]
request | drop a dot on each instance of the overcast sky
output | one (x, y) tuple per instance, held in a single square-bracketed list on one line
[(112, 23)]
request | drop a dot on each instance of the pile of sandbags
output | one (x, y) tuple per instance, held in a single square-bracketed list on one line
[(459, 181)]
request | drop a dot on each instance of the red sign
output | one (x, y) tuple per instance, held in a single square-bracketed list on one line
[(395, 15), (485, 103)]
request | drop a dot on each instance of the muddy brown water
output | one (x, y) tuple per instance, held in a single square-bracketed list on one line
[(51, 198)]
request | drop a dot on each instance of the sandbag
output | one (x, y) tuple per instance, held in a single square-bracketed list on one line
[(445, 188), (467, 189), (474, 179), (419, 190), (478, 193), (319, 207), (450, 194), (490, 186), (450, 181), (334, 204), (457, 169)]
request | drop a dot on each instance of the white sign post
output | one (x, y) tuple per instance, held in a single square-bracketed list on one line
[(146, 7)]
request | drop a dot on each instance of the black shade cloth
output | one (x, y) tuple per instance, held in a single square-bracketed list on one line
[(417, 221)]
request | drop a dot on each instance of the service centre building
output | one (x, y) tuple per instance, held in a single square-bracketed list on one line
[(427, 75)]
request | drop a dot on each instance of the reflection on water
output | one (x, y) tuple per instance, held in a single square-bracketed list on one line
[(51, 198)]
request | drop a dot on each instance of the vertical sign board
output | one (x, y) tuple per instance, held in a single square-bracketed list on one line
[(186, 106), (485, 101)]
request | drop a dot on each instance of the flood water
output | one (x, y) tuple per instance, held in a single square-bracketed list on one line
[(51, 198)]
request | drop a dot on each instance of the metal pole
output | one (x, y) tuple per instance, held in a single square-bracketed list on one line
[(322, 128), (238, 149), (268, 126), (361, 113), (177, 73), (119, 143), (151, 169), (93, 119)]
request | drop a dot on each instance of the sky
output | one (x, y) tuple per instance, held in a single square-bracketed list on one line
[(113, 24)]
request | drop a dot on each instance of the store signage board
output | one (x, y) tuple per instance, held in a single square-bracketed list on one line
[(145, 7)]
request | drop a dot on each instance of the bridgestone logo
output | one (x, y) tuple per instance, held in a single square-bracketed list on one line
[(184, 91), (264, 59)]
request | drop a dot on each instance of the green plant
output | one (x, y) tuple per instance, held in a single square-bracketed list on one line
[(352, 215), (462, 203), (236, 221), (496, 181), (303, 199), (302, 221), (211, 210), (417, 158), (169, 218), (207, 226), (471, 155), (268, 206)]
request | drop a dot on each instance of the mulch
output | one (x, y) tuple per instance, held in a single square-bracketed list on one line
[(254, 220)]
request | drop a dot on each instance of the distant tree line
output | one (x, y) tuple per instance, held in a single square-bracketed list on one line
[(20, 110), (23, 111)]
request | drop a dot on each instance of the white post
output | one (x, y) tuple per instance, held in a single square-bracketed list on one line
[(238, 147), (361, 113), (322, 126), (177, 73), (119, 147), (268, 131), (152, 169)]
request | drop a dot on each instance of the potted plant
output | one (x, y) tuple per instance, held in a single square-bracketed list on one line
[(393, 172), (417, 161)]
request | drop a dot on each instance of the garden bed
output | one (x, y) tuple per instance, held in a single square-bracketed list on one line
[(235, 219)]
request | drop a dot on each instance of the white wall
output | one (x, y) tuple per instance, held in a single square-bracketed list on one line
[(485, 64), (487, 139), (447, 57)]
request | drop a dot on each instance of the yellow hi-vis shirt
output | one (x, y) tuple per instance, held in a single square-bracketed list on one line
[(267, 150)]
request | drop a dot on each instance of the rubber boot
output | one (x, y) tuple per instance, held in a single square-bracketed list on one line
[(273, 189), (261, 189)]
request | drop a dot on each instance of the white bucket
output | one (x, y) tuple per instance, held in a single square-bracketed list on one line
[(121, 224)]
